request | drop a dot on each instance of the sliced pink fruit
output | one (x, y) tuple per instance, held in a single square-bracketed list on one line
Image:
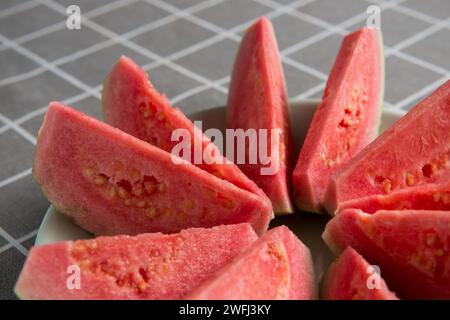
[(257, 100), (132, 104), (147, 266), (415, 151), (425, 197), (351, 277), (110, 182), (411, 247), (346, 120), (277, 266)]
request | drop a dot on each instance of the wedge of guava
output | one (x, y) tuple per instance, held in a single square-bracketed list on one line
[(433, 196), (351, 277), (415, 151), (257, 102), (346, 120), (111, 183), (411, 247), (147, 266), (277, 266), (133, 105)]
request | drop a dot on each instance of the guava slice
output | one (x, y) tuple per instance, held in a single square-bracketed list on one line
[(415, 151), (257, 100), (346, 120), (426, 197), (351, 277), (146, 266), (110, 182), (133, 105), (277, 266), (411, 247)]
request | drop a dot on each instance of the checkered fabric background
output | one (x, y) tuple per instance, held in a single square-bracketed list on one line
[(188, 47)]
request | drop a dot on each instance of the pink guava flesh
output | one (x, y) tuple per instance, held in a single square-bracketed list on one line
[(147, 266), (277, 266), (425, 197), (351, 277), (346, 120), (411, 247), (257, 100), (415, 151), (111, 183), (133, 105)]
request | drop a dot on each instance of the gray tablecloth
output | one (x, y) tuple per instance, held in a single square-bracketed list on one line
[(188, 47)]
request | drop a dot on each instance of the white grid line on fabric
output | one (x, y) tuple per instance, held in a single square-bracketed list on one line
[(39, 111), (19, 240), (17, 8), (233, 36), (196, 90), (394, 51), (339, 30), (310, 92), (388, 51), (420, 35), (55, 70), (430, 87), (176, 55), (317, 88), (97, 88), (62, 25), (21, 77), (13, 242), (334, 29), (87, 91), (104, 44), (320, 86), (135, 47), (47, 65), (411, 12), (18, 129), (179, 54), (153, 25), (15, 177), (146, 52)]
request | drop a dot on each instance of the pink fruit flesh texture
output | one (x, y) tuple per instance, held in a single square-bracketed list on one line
[(347, 279), (147, 266), (411, 247), (425, 197), (257, 99), (277, 266), (415, 151), (112, 183), (133, 105), (346, 120)]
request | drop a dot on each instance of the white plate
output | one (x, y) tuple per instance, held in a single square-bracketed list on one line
[(308, 227)]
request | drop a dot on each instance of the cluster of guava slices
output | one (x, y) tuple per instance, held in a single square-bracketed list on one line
[(171, 227)]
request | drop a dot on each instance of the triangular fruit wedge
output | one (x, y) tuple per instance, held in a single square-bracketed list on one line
[(426, 197), (133, 105), (346, 120), (351, 277), (147, 266), (411, 247), (110, 182), (415, 151), (277, 266), (257, 100)]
